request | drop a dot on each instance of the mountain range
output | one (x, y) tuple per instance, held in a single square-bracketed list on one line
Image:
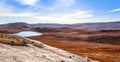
[(87, 26)]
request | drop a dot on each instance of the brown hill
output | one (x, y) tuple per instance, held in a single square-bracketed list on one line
[(99, 45), (31, 53)]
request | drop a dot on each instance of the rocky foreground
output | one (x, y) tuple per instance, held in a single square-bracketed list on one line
[(33, 53)]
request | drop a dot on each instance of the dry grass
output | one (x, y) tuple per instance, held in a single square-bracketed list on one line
[(96, 45), (13, 40), (101, 45)]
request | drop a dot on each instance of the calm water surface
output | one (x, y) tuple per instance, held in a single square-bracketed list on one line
[(28, 33)]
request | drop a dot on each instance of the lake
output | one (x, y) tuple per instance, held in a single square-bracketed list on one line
[(28, 33)]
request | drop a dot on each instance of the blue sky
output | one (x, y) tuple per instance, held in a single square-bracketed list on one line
[(59, 11)]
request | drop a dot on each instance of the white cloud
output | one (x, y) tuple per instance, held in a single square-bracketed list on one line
[(65, 3), (16, 14), (115, 10), (60, 4), (36, 5), (78, 14), (65, 18), (5, 8), (8, 10), (75, 16), (28, 2)]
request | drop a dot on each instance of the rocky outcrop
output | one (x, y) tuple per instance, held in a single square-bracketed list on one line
[(33, 51), (10, 39)]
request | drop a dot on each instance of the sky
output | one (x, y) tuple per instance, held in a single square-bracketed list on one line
[(59, 11)]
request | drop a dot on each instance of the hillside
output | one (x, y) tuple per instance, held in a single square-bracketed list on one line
[(103, 45), (32, 53)]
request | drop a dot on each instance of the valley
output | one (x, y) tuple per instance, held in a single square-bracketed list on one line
[(102, 45)]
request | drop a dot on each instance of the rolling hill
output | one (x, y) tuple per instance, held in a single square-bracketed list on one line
[(88, 26)]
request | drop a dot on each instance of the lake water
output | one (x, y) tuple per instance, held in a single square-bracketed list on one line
[(28, 33)]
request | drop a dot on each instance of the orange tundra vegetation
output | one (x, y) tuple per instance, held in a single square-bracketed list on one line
[(101, 45)]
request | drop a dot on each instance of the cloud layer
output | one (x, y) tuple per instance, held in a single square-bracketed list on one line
[(59, 11), (28, 2), (64, 18), (115, 10)]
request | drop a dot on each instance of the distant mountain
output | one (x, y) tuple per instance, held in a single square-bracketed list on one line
[(98, 26), (88, 26), (18, 24)]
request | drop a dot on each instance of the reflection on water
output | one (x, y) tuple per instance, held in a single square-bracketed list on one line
[(28, 33)]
